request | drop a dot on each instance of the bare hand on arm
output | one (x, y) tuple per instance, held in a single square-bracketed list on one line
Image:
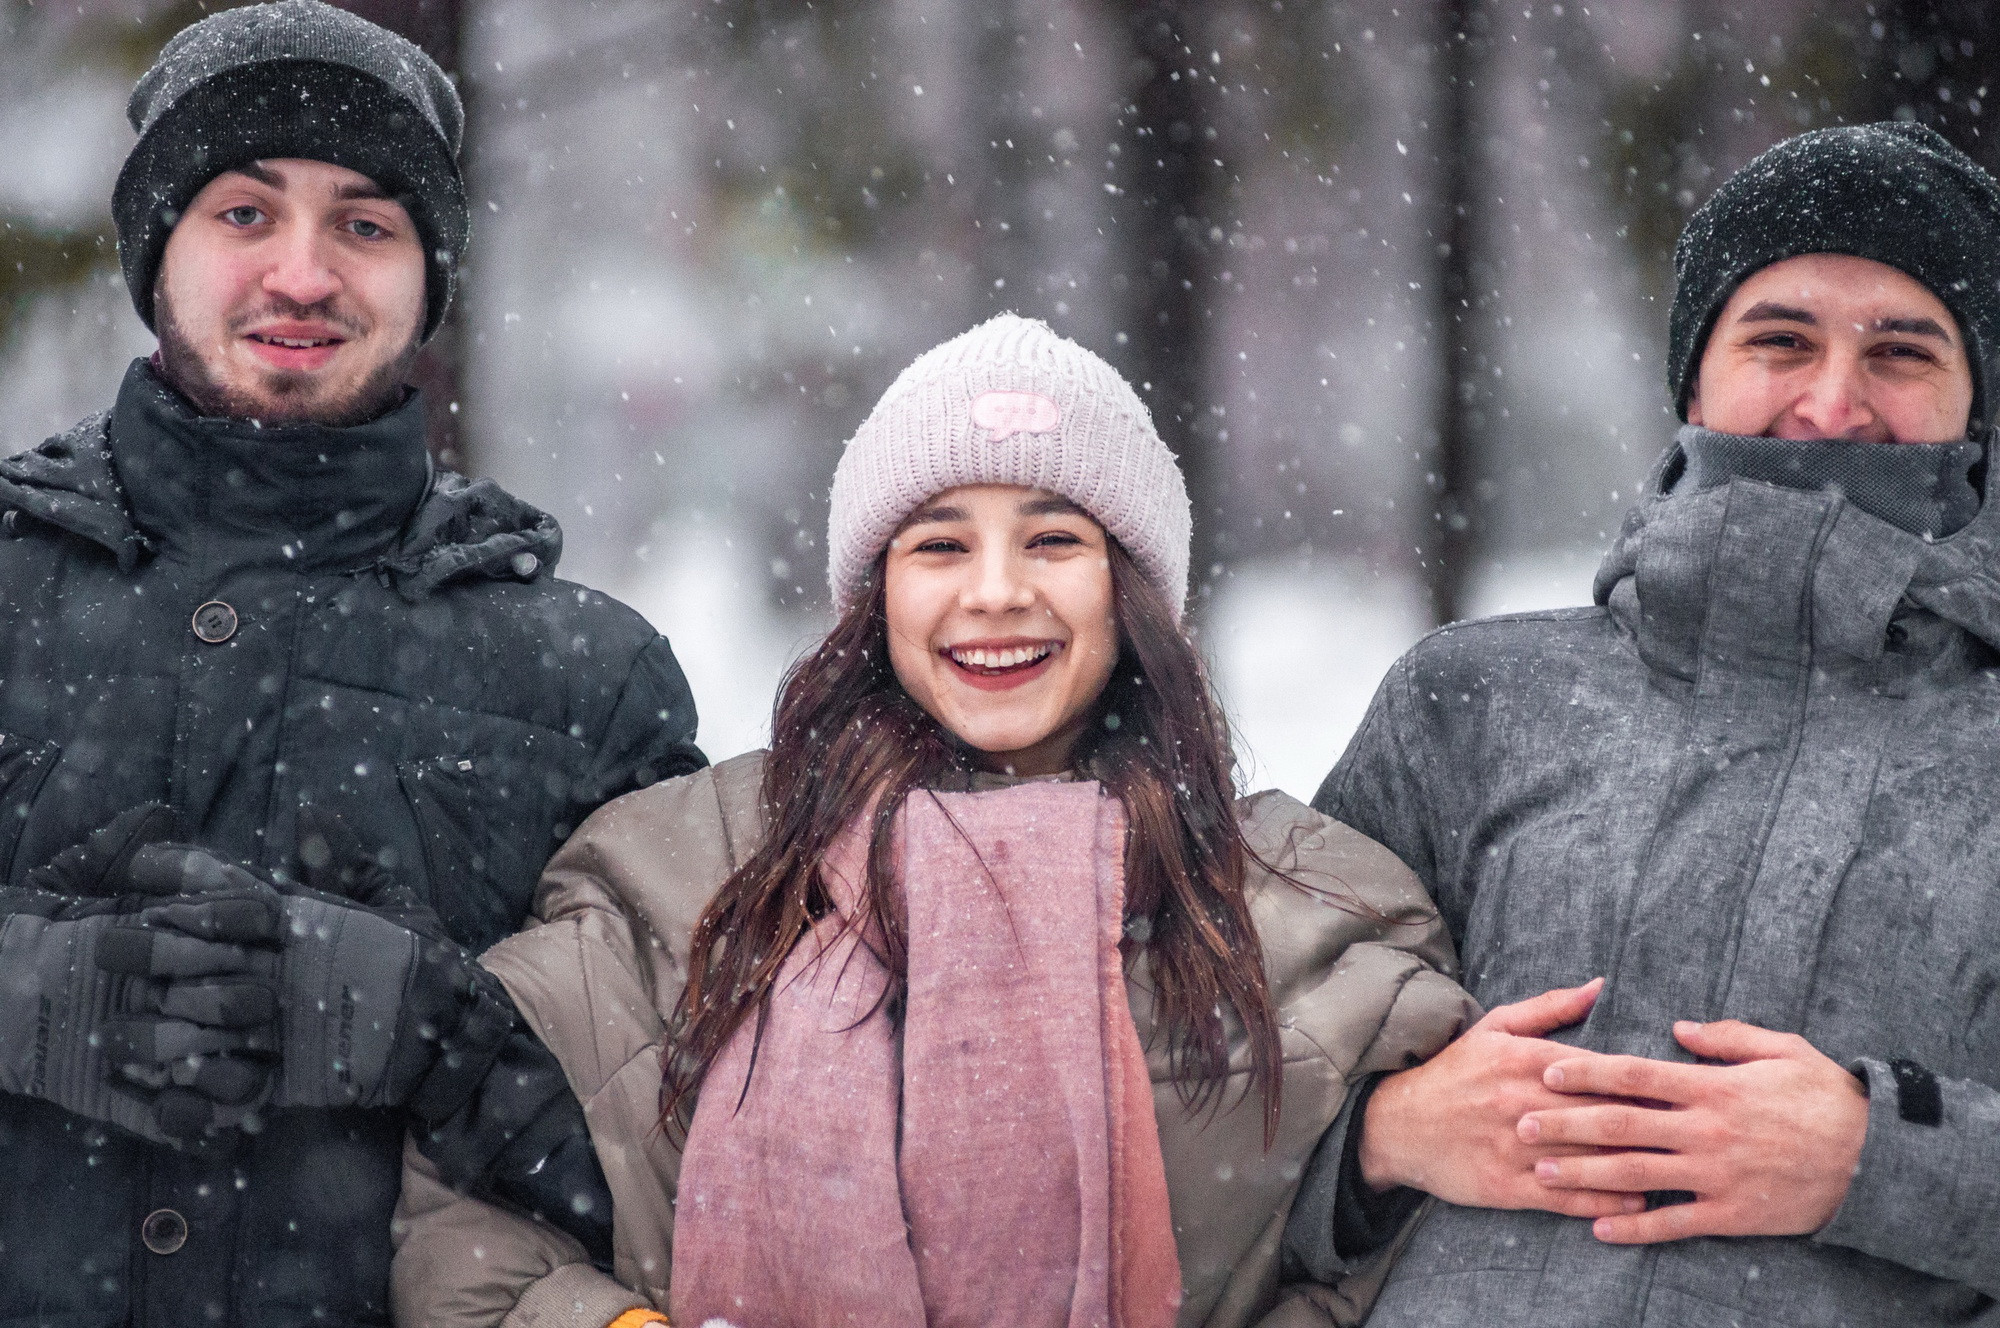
[(1448, 1126), (1768, 1143)]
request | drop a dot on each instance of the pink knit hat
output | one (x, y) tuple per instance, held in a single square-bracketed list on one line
[(1010, 402)]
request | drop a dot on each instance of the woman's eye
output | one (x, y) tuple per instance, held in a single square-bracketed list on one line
[(939, 545), (1053, 539), (243, 215)]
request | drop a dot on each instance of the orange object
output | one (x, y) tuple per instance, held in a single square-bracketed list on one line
[(637, 1317)]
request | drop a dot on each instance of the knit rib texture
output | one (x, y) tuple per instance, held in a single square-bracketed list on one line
[(1102, 452)]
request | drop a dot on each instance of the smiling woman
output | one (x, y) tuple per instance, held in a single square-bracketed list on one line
[(998, 603), (980, 997)]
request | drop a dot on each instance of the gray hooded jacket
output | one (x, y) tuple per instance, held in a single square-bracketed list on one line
[(1759, 780)]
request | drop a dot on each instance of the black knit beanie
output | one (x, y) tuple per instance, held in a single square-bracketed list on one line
[(1894, 192), (296, 78)]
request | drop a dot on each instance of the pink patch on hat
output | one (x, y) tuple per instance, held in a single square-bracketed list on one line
[(1008, 413)]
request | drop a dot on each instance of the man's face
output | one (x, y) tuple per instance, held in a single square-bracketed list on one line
[(291, 292), (1831, 346)]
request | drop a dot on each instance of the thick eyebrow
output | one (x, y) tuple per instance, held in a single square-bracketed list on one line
[(366, 189), (258, 172), (943, 513), (1051, 507), (1768, 311), (1916, 327), (270, 179)]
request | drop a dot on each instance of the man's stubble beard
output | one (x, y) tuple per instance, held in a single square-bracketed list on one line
[(288, 397)]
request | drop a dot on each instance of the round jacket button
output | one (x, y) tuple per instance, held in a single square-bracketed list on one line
[(164, 1231), (215, 622)]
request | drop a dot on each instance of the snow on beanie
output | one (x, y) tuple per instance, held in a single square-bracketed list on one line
[(1894, 192), (295, 78), (1010, 402)]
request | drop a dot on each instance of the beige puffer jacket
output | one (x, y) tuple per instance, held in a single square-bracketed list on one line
[(597, 975)]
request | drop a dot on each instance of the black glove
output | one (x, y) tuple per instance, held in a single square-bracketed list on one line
[(69, 1027), (372, 1013), (96, 867)]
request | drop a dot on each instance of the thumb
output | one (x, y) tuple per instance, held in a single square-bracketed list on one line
[(1733, 1040), (1543, 1014)]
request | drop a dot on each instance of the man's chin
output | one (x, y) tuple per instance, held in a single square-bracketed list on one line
[(287, 396), (279, 397)]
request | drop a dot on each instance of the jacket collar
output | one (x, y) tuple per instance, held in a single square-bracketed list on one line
[(460, 528), (308, 496), (1761, 574)]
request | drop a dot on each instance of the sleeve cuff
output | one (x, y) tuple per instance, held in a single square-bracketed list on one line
[(575, 1295), (1364, 1221), (1337, 1221), (1912, 1175)]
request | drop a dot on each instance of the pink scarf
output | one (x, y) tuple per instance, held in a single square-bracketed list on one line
[(998, 1163)]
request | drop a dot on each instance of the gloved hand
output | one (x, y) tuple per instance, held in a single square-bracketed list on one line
[(69, 1028), (371, 1012)]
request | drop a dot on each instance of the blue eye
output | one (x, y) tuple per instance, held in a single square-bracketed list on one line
[(243, 215)]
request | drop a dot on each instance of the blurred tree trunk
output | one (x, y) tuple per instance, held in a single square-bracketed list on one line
[(1447, 544), (1938, 62), (439, 27), (1161, 260), (1001, 250)]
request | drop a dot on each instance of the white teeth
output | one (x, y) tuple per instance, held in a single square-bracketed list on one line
[(294, 343), (984, 658)]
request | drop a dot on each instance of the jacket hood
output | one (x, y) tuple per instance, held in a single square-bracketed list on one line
[(459, 528), (1954, 576)]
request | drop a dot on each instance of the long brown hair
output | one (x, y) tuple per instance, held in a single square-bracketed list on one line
[(844, 730)]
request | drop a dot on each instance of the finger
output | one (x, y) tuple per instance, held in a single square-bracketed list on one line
[(163, 954), (180, 869), (1615, 1126), (97, 866), (231, 1080), (1622, 1173), (1627, 1077), (1673, 1222), (243, 918), (220, 1003), (1734, 1041), (1539, 1015), (147, 1041), (1585, 1203)]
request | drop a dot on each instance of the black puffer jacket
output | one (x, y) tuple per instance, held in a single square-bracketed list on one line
[(240, 621)]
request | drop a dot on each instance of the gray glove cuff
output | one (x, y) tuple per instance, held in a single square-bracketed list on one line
[(342, 980)]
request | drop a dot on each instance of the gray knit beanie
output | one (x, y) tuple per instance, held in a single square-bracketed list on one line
[(296, 78), (1010, 402)]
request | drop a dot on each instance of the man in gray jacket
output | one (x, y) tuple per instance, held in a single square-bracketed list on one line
[(1756, 789)]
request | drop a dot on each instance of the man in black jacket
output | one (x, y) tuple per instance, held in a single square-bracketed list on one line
[(326, 703)]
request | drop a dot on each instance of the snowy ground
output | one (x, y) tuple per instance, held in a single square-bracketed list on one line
[(1297, 652)]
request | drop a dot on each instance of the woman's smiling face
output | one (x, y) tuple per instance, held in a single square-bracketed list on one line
[(1000, 620)]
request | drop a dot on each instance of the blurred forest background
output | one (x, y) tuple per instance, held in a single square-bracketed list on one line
[(1392, 274)]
